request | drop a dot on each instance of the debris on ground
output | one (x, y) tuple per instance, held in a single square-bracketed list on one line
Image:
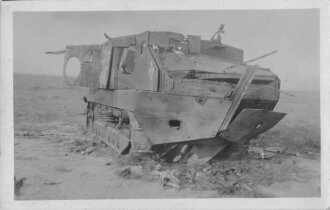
[(52, 183), (18, 184), (89, 150), (158, 167), (266, 155), (167, 182), (124, 172), (291, 152), (168, 179), (234, 171), (274, 149), (266, 152), (83, 146), (130, 171), (255, 150)]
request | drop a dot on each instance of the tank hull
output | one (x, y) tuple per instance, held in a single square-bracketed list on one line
[(182, 98), (177, 121)]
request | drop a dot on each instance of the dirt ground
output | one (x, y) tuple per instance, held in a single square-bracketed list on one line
[(61, 160)]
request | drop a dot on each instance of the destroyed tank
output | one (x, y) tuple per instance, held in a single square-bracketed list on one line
[(180, 97)]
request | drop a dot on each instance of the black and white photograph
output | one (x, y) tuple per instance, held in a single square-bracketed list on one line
[(162, 105)]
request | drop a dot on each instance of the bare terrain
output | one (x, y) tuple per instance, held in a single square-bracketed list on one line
[(60, 159)]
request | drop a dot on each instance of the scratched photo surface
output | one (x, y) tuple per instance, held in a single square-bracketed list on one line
[(167, 104)]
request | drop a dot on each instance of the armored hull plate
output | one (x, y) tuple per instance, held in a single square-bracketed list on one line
[(250, 123), (172, 118)]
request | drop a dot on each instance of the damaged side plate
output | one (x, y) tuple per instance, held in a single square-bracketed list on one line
[(250, 123)]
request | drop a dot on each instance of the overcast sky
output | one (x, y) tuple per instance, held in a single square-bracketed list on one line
[(294, 33)]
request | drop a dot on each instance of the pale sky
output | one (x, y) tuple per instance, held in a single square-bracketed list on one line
[(294, 33)]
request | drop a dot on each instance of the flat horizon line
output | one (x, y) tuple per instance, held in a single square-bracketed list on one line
[(59, 75)]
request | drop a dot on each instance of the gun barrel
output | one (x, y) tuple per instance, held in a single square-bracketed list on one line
[(265, 55), (254, 59)]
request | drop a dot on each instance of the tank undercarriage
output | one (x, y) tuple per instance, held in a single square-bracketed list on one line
[(114, 127)]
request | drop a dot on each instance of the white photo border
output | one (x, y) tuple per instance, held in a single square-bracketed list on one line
[(6, 99)]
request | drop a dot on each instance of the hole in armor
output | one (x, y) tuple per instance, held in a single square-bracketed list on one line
[(174, 124)]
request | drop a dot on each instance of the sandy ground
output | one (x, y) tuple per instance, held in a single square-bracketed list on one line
[(60, 160)]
